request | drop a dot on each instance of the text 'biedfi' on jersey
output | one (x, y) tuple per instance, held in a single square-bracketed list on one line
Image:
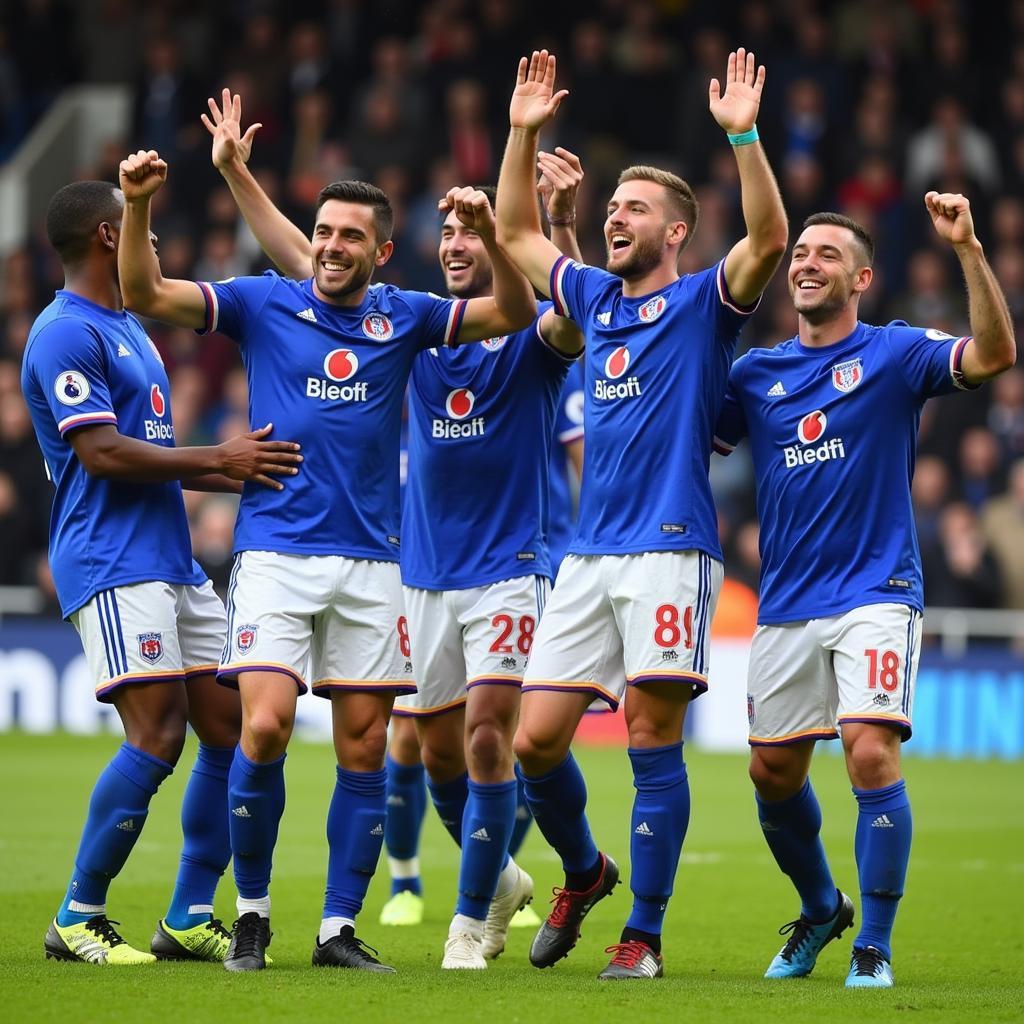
[(655, 373), (331, 378), (833, 435), (481, 421), (86, 365)]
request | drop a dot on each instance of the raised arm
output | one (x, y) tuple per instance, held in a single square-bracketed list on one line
[(751, 261), (534, 103), (143, 287), (512, 306), (560, 176), (994, 348), (279, 238)]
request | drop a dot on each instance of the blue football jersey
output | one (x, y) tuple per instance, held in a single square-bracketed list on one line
[(86, 364), (833, 434), (331, 378), (568, 428), (655, 374), (481, 420)]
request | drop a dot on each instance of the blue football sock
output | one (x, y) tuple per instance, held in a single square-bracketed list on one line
[(207, 848), (450, 800), (882, 845), (792, 829), (117, 812), (558, 803), (407, 805), (486, 829), (524, 819), (355, 834), (255, 805), (661, 814)]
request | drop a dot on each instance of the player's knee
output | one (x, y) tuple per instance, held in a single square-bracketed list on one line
[(363, 749), (267, 732), (161, 735), (488, 749), (443, 763), (774, 778), (538, 752), (217, 728), (873, 763), (405, 743)]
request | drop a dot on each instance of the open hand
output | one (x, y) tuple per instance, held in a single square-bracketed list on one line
[(229, 144), (141, 174), (561, 174), (736, 109), (951, 216), (534, 101), (249, 457)]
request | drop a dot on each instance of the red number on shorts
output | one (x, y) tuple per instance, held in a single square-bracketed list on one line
[(667, 632), (889, 676), (526, 624), (501, 644), (403, 637)]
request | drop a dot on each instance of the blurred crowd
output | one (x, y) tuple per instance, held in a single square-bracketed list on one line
[(868, 104)]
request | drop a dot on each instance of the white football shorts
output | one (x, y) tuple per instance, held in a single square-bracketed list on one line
[(336, 621), (150, 632), (807, 678), (615, 620), (465, 638)]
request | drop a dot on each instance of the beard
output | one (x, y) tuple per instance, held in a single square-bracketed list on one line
[(480, 282), (358, 278), (645, 256), (834, 302)]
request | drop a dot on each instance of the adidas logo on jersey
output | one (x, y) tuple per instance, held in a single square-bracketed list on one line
[(241, 812), (776, 390), (122, 351), (643, 829), (308, 315), (128, 825), (481, 834), (882, 821), (377, 830), (396, 801)]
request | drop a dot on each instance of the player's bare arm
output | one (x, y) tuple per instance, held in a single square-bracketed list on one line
[(561, 175), (512, 306), (994, 348), (110, 455), (279, 238), (143, 287), (752, 261), (534, 103)]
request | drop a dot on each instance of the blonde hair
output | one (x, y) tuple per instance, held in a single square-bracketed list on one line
[(681, 200)]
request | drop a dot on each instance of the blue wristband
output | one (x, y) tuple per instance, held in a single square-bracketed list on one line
[(744, 138)]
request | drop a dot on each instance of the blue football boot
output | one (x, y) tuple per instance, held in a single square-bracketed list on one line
[(797, 957), (869, 969)]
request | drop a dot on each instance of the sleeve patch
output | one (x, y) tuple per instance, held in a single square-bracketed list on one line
[(71, 387)]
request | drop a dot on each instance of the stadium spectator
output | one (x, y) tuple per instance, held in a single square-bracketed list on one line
[(962, 572), (1003, 526)]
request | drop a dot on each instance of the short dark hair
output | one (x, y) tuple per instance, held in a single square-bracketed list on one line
[(74, 214), (363, 194), (838, 220), (681, 198)]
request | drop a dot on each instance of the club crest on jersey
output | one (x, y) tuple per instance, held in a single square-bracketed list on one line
[(71, 387), (493, 344), (846, 376), (459, 403), (151, 646), (652, 309), (811, 427), (750, 708), (245, 637), (341, 363), (617, 363), (378, 327), (156, 400)]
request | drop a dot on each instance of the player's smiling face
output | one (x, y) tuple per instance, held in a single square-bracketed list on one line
[(636, 229), (826, 272), (345, 250), (464, 260)]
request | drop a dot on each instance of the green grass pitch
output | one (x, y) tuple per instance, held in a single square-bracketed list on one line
[(959, 942)]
